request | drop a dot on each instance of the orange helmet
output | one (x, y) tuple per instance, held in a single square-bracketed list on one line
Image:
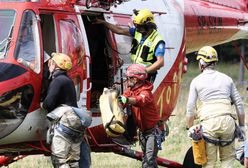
[(63, 61), (137, 71)]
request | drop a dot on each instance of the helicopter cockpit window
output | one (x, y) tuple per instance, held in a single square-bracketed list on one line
[(7, 18), (28, 44)]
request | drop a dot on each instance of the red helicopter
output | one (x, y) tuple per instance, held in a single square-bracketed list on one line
[(30, 29)]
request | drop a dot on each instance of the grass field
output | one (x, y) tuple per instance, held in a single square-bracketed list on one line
[(176, 144)]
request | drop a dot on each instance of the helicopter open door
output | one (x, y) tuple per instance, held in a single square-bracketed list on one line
[(102, 61), (110, 53)]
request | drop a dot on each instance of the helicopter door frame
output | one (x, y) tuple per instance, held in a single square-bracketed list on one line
[(35, 74), (85, 95)]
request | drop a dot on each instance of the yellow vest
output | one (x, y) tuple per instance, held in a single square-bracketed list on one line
[(144, 54)]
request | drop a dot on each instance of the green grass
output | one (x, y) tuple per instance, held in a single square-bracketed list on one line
[(176, 144)]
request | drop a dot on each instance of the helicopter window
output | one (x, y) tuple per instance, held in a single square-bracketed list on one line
[(27, 49), (72, 43), (7, 18)]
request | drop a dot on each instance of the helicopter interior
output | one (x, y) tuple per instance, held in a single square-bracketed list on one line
[(100, 51)]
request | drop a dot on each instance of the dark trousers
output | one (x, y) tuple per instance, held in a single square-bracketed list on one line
[(85, 158), (149, 147)]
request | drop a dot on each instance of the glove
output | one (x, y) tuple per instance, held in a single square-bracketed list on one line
[(190, 131), (123, 100), (195, 132), (242, 129)]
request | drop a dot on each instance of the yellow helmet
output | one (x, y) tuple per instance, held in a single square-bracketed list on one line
[(207, 54), (142, 17), (63, 61)]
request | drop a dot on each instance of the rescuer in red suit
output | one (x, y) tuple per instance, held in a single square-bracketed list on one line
[(146, 116)]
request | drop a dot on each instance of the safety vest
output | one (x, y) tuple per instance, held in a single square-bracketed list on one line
[(144, 54)]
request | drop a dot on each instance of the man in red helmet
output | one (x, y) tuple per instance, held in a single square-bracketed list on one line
[(140, 99)]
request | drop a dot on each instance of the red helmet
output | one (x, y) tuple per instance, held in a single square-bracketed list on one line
[(137, 71)]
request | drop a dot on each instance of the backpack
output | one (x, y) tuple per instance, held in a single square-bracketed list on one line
[(74, 118)]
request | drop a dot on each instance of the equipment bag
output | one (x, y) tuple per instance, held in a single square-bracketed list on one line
[(84, 115), (72, 118), (54, 117), (199, 151), (112, 114), (57, 113)]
